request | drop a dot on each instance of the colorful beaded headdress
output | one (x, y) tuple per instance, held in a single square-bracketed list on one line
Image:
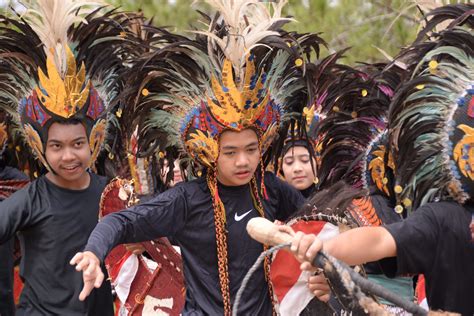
[(432, 117), (242, 72), (61, 59)]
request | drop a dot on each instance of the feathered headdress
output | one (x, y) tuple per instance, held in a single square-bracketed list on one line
[(432, 120), (121, 157), (356, 107), (59, 62), (303, 122), (242, 72)]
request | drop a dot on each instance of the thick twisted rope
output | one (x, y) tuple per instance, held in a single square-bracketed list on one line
[(252, 270), (320, 260)]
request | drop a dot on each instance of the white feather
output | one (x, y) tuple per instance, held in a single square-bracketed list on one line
[(249, 21), (51, 19)]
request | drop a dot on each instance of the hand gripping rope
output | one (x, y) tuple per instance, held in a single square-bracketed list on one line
[(267, 233)]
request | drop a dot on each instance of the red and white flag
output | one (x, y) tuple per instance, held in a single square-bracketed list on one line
[(290, 284)]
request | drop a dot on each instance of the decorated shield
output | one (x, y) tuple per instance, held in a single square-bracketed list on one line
[(144, 286)]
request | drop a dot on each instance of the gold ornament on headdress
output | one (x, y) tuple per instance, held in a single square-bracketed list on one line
[(465, 156), (63, 97), (239, 106), (377, 168), (309, 115), (34, 141), (205, 146), (96, 138)]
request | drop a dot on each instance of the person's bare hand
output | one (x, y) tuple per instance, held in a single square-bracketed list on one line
[(319, 286), (136, 249), (278, 223), (305, 247), (284, 228), (92, 273)]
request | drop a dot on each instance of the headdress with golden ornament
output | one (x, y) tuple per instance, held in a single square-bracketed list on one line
[(432, 116), (62, 58), (301, 124), (243, 71), (299, 135)]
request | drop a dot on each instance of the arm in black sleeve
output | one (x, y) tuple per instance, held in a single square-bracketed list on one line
[(15, 214), (289, 198), (416, 238), (162, 216)]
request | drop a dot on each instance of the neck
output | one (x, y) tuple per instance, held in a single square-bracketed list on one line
[(78, 184), (308, 191)]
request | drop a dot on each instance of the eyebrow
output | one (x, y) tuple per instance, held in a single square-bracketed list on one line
[(297, 156), (236, 147), (60, 142)]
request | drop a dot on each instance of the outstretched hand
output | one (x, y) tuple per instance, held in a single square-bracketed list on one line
[(92, 273)]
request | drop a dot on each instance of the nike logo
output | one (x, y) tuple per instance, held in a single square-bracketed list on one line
[(239, 218)]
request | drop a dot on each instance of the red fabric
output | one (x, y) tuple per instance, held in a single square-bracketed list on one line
[(17, 284), (420, 289), (285, 269)]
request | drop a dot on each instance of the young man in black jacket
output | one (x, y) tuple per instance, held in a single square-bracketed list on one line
[(59, 84), (226, 129), (186, 215)]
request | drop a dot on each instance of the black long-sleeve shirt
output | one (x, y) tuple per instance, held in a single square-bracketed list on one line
[(185, 214), (54, 224), (435, 240)]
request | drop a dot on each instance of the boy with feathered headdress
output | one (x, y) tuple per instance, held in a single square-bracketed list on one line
[(218, 96), (59, 63)]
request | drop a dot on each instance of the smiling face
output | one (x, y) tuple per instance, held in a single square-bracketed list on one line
[(239, 156), (297, 168), (68, 154)]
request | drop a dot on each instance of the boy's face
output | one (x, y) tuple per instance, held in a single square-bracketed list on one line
[(238, 158), (297, 168), (68, 154)]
